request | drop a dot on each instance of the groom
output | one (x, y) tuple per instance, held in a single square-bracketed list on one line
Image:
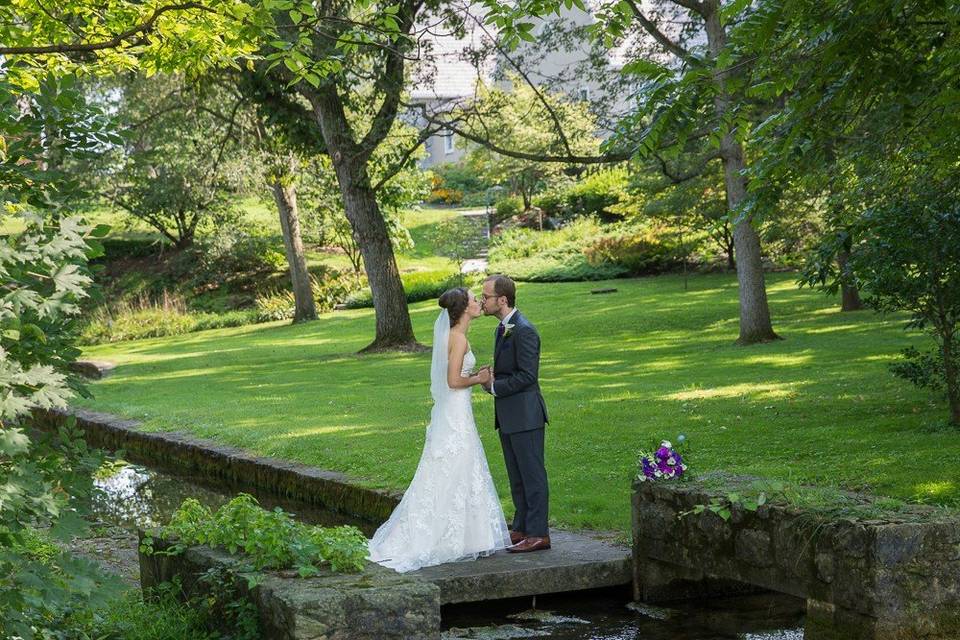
[(519, 413)]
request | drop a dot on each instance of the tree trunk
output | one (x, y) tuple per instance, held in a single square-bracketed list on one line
[(394, 330), (755, 325), (850, 296), (285, 195), (952, 380), (945, 327), (728, 246)]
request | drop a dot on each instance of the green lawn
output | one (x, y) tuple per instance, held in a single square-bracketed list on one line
[(619, 372)]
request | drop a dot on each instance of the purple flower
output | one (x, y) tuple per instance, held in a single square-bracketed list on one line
[(663, 453), (647, 467)]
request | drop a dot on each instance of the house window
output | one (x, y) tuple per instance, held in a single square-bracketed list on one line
[(448, 145), (583, 94)]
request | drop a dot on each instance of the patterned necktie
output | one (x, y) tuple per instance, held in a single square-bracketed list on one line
[(500, 329)]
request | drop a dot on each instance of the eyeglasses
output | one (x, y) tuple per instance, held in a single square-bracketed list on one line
[(485, 296)]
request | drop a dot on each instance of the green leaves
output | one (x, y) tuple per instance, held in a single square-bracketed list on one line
[(190, 38), (13, 442), (269, 539)]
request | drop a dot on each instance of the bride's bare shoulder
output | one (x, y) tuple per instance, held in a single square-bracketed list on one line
[(457, 341)]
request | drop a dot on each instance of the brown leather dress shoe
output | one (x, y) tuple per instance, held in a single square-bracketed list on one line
[(531, 544), (517, 537)]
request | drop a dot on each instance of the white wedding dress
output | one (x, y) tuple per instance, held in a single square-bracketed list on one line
[(450, 511)]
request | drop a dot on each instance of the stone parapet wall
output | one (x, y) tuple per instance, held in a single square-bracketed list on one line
[(890, 577), (377, 604), (234, 466)]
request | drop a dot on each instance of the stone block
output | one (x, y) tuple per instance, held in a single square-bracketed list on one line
[(377, 604), (876, 579)]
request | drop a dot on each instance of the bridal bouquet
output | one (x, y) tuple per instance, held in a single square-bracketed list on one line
[(663, 463)]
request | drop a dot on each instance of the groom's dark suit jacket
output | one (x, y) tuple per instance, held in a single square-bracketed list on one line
[(518, 404)]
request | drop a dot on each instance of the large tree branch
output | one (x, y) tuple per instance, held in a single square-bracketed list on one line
[(398, 166), (449, 125), (391, 83), (678, 177), (693, 5), (112, 43), (658, 35), (526, 78)]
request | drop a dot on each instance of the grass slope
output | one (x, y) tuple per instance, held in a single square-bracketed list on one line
[(619, 372)]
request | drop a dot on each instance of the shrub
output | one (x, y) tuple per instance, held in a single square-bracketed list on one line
[(442, 195), (330, 287), (571, 269), (523, 243), (122, 248), (507, 208), (458, 177), (167, 612), (595, 195), (234, 256), (640, 250), (584, 249), (419, 285), (268, 539), (278, 305), (144, 318)]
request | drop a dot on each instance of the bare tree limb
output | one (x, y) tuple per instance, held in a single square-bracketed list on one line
[(526, 78), (680, 177), (398, 166), (658, 35), (693, 5), (607, 158)]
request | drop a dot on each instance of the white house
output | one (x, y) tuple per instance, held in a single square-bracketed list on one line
[(452, 67)]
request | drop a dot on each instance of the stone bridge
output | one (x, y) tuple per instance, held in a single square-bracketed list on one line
[(894, 576)]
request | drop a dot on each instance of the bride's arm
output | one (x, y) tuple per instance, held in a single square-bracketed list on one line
[(456, 350)]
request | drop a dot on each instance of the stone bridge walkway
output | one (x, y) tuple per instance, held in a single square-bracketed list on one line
[(575, 562)]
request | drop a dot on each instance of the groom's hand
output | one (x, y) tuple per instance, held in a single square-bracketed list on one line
[(484, 376)]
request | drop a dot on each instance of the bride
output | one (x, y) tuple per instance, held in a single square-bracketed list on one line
[(451, 510)]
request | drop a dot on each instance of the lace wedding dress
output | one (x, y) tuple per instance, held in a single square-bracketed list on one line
[(450, 511)]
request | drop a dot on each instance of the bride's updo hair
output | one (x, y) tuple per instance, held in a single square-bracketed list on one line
[(455, 301)]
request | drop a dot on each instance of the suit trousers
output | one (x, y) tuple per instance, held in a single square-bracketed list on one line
[(523, 453)]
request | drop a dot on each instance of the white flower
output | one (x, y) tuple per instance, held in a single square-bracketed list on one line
[(666, 443), (507, 328)]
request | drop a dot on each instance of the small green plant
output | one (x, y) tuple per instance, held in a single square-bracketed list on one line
[(268, 539), (751, 498), (110, 468)]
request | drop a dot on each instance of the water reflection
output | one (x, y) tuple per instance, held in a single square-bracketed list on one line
[(136, 496), (609, 615)]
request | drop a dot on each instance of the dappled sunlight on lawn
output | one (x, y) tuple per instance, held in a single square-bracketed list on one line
[(937, 490), (780, 359), (752, 390), (619, 372)]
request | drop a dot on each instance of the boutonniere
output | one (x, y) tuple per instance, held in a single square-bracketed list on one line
[(507, 330)]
